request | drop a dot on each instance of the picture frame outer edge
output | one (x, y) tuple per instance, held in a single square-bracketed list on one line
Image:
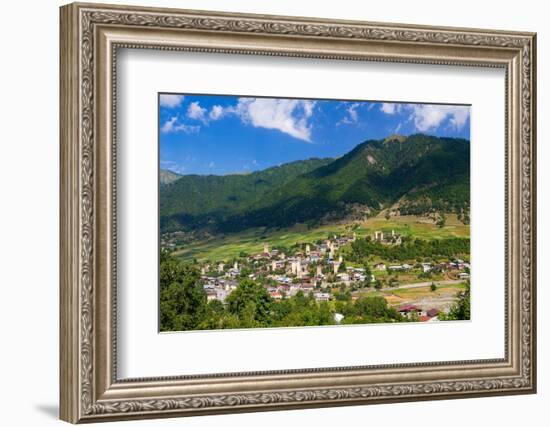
[(69, 354), (71, 392)]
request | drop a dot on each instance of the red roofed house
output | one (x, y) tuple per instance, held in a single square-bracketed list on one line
[(276, 295), (408, 310)]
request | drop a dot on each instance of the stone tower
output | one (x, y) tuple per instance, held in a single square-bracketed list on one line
[(294, 267)]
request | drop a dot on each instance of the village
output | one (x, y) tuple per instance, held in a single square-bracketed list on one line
[(319, 269)]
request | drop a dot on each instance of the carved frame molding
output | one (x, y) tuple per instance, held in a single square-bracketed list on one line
[(90, 37)]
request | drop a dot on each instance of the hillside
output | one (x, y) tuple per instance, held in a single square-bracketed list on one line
[(200, 200), (418, 174)]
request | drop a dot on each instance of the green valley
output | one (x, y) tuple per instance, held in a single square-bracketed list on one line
[(380, 234)]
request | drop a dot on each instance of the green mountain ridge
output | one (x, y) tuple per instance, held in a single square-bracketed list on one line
[(418, 174), (198, 200)]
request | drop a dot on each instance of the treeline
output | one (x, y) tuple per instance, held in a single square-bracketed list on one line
[(213, 201), (184, 306), (461, 309), (453, 198), (426, 206), (410, 249)]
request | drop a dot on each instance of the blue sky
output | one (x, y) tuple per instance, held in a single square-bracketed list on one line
[(213, 134)]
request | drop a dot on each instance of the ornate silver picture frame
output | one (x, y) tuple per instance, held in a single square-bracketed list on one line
[(91, 34)]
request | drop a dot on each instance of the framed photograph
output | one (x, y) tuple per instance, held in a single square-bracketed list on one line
[(266, 213)]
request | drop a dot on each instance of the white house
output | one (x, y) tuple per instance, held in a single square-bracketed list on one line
[(322, 296), (380, 266)]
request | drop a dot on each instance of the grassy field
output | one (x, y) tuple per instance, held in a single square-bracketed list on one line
[(409, 277), (252, 241), (414, 293), (444, 295)]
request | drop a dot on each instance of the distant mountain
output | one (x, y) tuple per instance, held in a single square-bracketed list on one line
[(418, 174), (168, 177), (195, 201)]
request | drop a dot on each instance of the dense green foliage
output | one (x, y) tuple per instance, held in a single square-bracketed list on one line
[(425, 174), (461, 309), (366, 310), (183, 305), (409, 249), (195, 201), (182, 298)]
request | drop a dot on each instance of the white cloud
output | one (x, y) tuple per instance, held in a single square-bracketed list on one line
[(390, 108), (428, 117), (352, 115), (195, 111), (286, 115), (352, 111), (216, 112), (308, 107), (459, 117), (289, 116), (170, 100), (172, 125)]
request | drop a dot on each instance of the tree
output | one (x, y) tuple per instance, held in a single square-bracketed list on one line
[(325, 316), (371, 306), (368, 271), (442, 220), (250, 301), (245, 272), (342, 267), (343, 295), (461, 309), (216, 317), (433, 287), (370, 310), (182, 298)]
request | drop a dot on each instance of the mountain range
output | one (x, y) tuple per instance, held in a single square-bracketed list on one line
[(418, 174)]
